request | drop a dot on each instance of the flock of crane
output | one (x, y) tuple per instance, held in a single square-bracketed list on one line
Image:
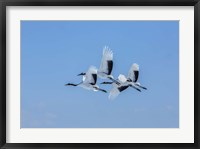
[(89, 79)]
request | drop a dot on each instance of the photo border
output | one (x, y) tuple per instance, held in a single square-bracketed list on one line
[(5, 3)]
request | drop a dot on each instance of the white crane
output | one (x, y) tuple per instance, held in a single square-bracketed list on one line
[(133, 75), (89, 80), (106, 66), (118, 88)]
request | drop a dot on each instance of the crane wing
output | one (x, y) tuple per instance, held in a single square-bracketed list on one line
[(114, 92), (122, 88), (107, 61), (133, 73), (91, 76)]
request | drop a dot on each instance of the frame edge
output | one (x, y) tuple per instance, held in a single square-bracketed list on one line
[(3, 74), (3, 143)]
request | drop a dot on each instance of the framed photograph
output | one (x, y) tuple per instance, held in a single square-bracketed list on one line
[(99, 74)]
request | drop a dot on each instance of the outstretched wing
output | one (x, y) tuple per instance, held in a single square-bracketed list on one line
[(91, 76), (114, 92), (133, 73), (107, 61)]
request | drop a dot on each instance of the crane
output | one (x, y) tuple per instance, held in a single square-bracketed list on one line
[(89, 80)]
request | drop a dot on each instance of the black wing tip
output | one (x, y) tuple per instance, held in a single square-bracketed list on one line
[(110, 66), (122, 88), (95, 78), (136, 73)]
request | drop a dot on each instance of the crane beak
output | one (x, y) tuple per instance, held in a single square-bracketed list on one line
[(81, 74)]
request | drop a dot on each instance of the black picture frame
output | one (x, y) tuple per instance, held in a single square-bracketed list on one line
[(5, 3)]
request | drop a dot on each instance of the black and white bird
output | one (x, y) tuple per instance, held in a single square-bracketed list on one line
[(106, 66), (118, 88), (133, 75), (89, 80)]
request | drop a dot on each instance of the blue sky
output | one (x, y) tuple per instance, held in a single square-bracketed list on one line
[(54, 52)]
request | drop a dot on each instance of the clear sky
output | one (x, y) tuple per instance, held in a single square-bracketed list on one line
[(54, 52)]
